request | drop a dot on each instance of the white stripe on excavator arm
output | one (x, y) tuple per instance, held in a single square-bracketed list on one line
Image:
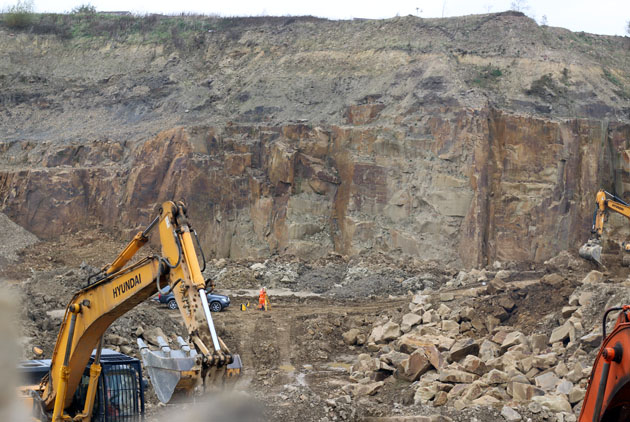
[(206, 310)]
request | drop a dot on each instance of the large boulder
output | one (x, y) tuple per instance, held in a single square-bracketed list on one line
[(366, 363), (554, 402), (474, 391), (593, 277), (525, 392), (435, 357), (350, 336), (409, 321), (385, 333), (562, 333), (495, 377), (538, 342), (151, 335), (359, 390), (576, 394), (425, 391), (592, 339), (411, 341), (474, 365), (545, 361), (413, 367), (489, 350), (547, 381), (393, 357), (457, 376), (463, 348), (512, 339)]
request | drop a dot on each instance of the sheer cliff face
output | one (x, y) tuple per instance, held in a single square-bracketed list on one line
[(465, 140)]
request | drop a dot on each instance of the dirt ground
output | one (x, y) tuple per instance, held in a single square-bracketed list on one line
[(295, 361), (293, 355)]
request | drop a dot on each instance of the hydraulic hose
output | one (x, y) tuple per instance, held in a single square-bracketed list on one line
[(203, 257), (608, 311), (601, 391), (150, 226), (179, 253)]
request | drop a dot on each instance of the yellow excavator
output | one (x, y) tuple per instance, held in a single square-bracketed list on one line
[(203, 360), (592, 249)]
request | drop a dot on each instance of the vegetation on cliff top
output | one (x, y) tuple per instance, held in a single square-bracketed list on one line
[(85, 22), (149, 28)]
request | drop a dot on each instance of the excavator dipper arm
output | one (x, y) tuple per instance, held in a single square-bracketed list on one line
[(119, 289)]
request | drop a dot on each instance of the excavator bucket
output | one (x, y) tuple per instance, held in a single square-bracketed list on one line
[(171, 371), (592, 251)]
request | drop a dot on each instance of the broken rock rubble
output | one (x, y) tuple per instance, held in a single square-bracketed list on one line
[(451, 363)]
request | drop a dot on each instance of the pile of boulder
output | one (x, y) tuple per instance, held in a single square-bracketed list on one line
[(438, 349)]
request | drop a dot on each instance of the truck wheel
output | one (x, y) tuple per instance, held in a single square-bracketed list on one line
[(172, 304), (215, 307)]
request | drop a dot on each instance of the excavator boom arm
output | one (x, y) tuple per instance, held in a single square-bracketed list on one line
[(94, 309), (607, 201)]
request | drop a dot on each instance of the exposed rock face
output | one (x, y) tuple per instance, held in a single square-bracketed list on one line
[(520, 192), (409, 156)]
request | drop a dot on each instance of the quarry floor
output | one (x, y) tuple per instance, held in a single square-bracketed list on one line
[(295, 361), (294, 358)]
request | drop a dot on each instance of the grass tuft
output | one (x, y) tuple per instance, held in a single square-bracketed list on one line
[(19, 16)]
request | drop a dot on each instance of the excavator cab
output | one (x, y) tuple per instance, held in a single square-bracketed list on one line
[(120, 391), (607, 397), (120, 394)]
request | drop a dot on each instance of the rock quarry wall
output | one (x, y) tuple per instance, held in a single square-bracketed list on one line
[(467, 186), (465, 140)]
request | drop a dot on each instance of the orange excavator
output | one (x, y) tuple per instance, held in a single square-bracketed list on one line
[(592, 250), (608, 393), (607, 397)]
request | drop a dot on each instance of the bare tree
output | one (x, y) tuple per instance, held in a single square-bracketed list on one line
[(519, 5), (543, 20), (628, 28)]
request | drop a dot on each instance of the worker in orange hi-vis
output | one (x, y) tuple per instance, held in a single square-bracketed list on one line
[(263, 299)]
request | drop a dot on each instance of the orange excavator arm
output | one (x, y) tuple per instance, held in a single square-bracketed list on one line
[(118, 288)]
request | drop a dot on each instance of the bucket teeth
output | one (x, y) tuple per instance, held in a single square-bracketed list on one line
[(185, 347), (170, 370)]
